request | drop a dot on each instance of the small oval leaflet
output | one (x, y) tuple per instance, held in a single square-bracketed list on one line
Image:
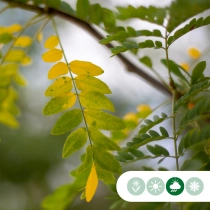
[(59, 87), (52, 55), (58, 69), (84, 67), (67, 122), (75, 141), (58, 104), (89, 83), (51, 42)]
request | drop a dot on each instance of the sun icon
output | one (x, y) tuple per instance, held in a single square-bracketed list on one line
[(155, 186)]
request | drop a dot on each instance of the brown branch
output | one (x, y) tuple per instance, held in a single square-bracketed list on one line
[(87, 27)]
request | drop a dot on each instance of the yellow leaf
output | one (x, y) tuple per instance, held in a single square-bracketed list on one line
[(23, 41), (51, 42), (194, 53), (91, 184), (58, 104), (39, 36), (83, 67), (20, 80), (185, 66), (61, 86), (14, 28), (52, 55), (7, 119), (89, 83), (26, 61), (58, 69), (15, 56)]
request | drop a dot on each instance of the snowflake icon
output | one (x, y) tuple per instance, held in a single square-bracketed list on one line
[(194, 186)]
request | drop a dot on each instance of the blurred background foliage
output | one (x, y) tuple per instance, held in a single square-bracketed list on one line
[(31, 166)]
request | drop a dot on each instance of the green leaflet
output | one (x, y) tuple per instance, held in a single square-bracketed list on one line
[(5, 38), (194, 23), (150, 14), (59, 104), (106, 176), (75, 141), (67, 122), (191, 165), (193, 91), (66, 8), (197, 72), (55, 3), (174, 68), (95, 13), (95, 100), (87, 160), (89, 83), (158, 150), (59, 87), (100, 140), (122, 35), (108, 18), (103, 120), (106, 160), (82, 8), (181, 10), (157, 120), (202, 107), (194, 139), (146, 60)]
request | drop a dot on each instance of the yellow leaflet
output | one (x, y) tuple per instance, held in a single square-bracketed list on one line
[(13, 28), (58, 69), (26, 61), (58, 104), (83, 67), (51, 42), (52, 55), (15, 56), (23, 41), (61, 86), (39, 36), (20, 80), (91, 184), (7, 119)]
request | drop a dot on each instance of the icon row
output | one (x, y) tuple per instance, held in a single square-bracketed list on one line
[(174, 186)]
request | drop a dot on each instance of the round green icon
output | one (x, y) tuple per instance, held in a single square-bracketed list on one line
[(194, 186), (155, 186), (175, 186), (136, 186)]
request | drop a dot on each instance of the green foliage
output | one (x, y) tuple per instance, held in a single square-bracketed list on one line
[(193, 91), (194, 24), (186, 9), (88, 92), (150, 14)]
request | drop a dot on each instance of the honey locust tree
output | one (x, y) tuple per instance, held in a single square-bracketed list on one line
[(77, 81)]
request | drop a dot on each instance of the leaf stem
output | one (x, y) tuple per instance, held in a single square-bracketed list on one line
[(174, 129), (77, 94), (13, 44), (174, 93)]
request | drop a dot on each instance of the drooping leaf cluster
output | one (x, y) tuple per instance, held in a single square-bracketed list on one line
[(89, 92)]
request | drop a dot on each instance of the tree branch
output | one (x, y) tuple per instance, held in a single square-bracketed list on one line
[(87, 27)]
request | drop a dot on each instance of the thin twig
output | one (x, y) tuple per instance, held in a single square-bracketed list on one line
[(87, 27)]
